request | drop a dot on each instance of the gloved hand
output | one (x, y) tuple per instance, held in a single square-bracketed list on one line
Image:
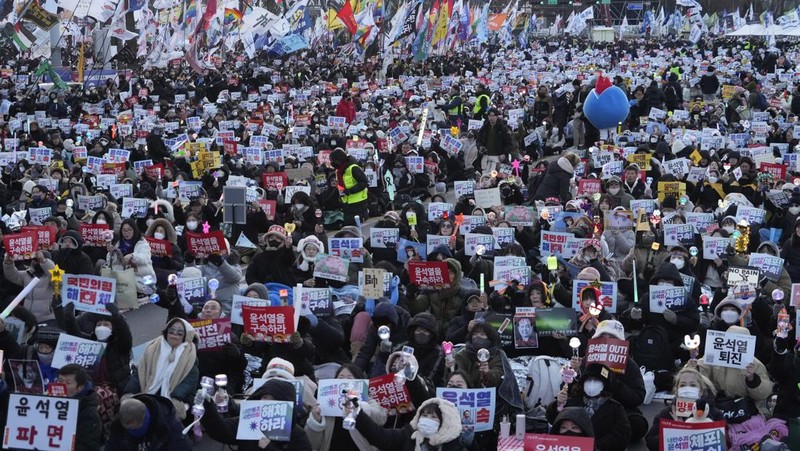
[(705, 319), (69, 212), (215, 259), (386, 346), (297, 340), (369, 306), (670, 316), (246, 339), (636, 313), (112, 308), (187, 307), (312, 318)]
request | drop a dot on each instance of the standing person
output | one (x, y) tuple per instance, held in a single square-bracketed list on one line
[(709, 84), (454, 108), (147, 423), (556, 182), (543, 105), (355, 184), (494, 140), (89, 436), (482, 103), (346, 108)]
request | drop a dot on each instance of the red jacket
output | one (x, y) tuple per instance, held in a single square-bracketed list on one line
[(346, 109)]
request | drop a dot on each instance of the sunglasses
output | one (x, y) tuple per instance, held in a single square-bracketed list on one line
[(177, 332)]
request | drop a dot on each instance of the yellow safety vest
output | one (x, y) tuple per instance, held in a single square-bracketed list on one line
[(478, 103), (455, 110), (349, 182)]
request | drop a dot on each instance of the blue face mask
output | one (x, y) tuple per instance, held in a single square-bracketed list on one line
[(141, 430)]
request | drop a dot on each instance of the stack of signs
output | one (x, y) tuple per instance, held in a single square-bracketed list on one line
[(770, 266), (347, 248), (609, 352), (524, 328), (729, 349), (331, 267), (80, 351), (41, 422), (390, 394), (212, 334), (331, 394), (88, 293), (475, 405), (664, 297), (682, 436), (270, 419), (267, 323), (380, 238), (608, 294)]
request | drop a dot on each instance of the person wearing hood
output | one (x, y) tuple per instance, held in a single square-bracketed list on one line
[(573, 421), (38, 300), (223, 429), (742, 307), (368, 350), (791, 253), (164, 265), (710, 191), (482, 374), (147, 422), (444, 303), (781, 220), (612, 431), (70, 256), (390, 220), (767, 285), (437, 425), (134, 252), (353, 268), (274, 262), (423, 337), (613, 187), (309, 247), (225, 269), (89, 429), (168, 366), (558, 178), (474, 302), (353, 185)]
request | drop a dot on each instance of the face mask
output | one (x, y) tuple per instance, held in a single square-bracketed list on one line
[(664, 283), (101, 221), (191, 225), (689, 392), (593, 387), (47, 359), (712, 180), (729, 229), (427, 426), (572, 433), (102, 332), (37, 197), (794, 210), (141, 431), (422, 339), (481, 343), (729, 316), (678, 262), (299, 206), (613, 191), (159, 235)]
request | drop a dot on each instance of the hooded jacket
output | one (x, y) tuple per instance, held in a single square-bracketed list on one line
[(223, 430), (164, 434), (408, 438), (272, 265), (556, 181), (74, 261), (445, 304), (399, 318), (38, 300), (320, 434), (89, 431), (577, 416), (429, 356), (174, 263)]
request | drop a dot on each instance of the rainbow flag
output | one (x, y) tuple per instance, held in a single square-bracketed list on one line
[(232, 16)]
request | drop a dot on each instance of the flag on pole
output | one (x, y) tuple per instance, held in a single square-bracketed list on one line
[(19, 35), (346, 16)]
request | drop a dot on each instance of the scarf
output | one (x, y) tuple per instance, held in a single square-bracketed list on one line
[(592, 405), (126, 246), (163, 367)]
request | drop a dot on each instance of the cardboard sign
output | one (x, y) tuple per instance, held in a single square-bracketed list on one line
[(331, 394), (41, 422), (236, 307), (770, 266), (525, 336), (88, 293), (728, 349), (475, 405), (270, 419), (429, 274), (212, 243), (683, 436), (21, 246), (609, 352), (608, 294), (212, 334), (743, 274), (383, 238), (80, 351), (487, 198), (159, 248), (664, 297), (714, 246), (519, 215), (347, 248), (392, 396), (331, 267), (372, 288), (546, 442), (270, 324)]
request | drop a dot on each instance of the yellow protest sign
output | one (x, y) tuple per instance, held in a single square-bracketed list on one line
[(696, 157), (676, 189), (205, 161), (727, 91), (641, 159), (194, 148)]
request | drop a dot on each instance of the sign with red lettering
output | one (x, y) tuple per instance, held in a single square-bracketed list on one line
[(268, 207), (213, 334), (159, 248), (46, 235), (276, 180), (590, 186), (21, 246), (230, 147), (155, 171), (206, 243), (96, 235), (429, 274), (391, 395), (777, 170), (610, 352), (536, 442), (270, 324), (40, 422)]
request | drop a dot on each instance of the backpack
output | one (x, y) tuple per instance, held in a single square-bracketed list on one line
[(651, 349), (543, 381)]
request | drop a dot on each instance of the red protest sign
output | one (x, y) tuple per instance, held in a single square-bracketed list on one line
[(94, 234), (57, 389), (272, 324), (391, 395), (535, 442), (610, 352), (155, 171), (590, 186), (213, 334), (230, 147), (21, 246), (268, 207), (276, 180), (429, 274), (777, 170), (117, 169), (159, 248), (205, 243), (46, 235)]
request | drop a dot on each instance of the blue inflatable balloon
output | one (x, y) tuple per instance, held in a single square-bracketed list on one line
[(606, 105)]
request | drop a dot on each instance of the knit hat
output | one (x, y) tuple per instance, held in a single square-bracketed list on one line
[(278, 389), (279, 368), (392, 215), (191, 272), (348, 230), (259, 289), (48, 335), (310, 240), (278, 232), (598, 371), (612, 327), (589, 273)]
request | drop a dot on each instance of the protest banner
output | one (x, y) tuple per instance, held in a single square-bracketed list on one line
[(391, 395), (268, 207), (236, 307), (429, 274), (331, 394), (268, 323), (778, 171), (22, 245), (664, 297), (683, 436), (608, 294), (502, 322), (554, 243), (40, 422), (347, 248), (212, 334), (675, 234), (487, 198), (372, 287), (275, 180), (590, 186), (552, 321), (684, 408), (159, 248), (120, 190), (619, 220), (97, 235), (77, 350), (470, 222), (270, 419), (331, 267), (475, 405), (519, 215), (770, 266), (641, 159), (314, 300), (415, 165), (383, 238), (46, 235), (649, 205), (192, 290), (473, 240), (503, 235), (525, 328), (464, 188), (753, 215), (609, 352), (88, 293), (387, 282), (434, 241), (290, 191), (714, 246), (211, 243), (743, 274), (700, 221), (547, 442), (729, 349)]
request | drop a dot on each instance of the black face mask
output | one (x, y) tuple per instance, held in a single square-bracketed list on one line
[(422, 339), (274, 243), (573, 434)]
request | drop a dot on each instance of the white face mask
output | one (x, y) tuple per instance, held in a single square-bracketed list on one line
[(613, 191), (678, 262), (712, 179), (729, 316), (729, 229), (299, 206), (191, 225), (158, 235), (689, 393), (103, 221), (794, 210), (593, 387), (665, 283), (102, 332), (427, 426)]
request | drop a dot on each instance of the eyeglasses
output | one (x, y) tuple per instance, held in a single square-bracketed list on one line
[(178, 332)]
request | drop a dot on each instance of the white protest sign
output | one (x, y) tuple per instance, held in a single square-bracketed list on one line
[(488, 198), (729, 350), (71, 349), (40, 423)]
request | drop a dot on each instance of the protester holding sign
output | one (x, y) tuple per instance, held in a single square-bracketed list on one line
[(70, 256), (135, 252), (89, 428), (225, 269), (38, 300), (167, 257)]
